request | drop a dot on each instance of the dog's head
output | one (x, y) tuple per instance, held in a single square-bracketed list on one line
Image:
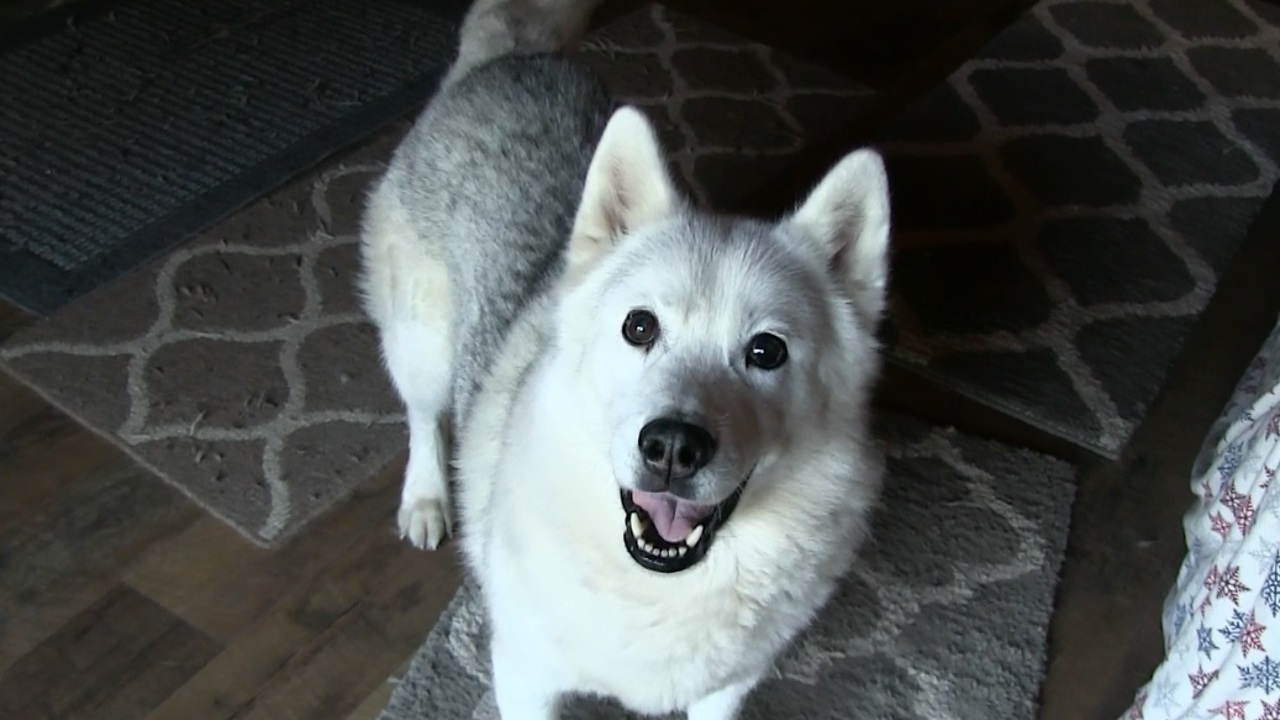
[(709, 347)]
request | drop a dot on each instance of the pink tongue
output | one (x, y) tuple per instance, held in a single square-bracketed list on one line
[(673, 519)]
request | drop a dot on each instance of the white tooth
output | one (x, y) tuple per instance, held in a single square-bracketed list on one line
[(637, 525), (682, 550), (669, 552), (694, 537)]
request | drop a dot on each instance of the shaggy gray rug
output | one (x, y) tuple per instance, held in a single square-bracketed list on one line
[(1068, 199), (943, 618), (240, 367)]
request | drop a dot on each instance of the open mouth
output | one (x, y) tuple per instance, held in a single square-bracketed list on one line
[(666, 534)]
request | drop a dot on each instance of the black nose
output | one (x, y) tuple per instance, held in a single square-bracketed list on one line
[(674, 449)]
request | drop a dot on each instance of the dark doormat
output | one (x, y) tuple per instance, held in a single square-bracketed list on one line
[(130, 127), (1067, 201)]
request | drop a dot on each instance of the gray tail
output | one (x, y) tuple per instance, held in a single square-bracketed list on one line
[(493, 28)]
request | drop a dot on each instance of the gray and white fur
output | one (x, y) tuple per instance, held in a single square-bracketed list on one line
[(479, 196), (663, 463), (513, 184), (493, 28)]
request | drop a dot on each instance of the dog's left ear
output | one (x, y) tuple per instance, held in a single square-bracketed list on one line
[(627, 186), (846, 219)]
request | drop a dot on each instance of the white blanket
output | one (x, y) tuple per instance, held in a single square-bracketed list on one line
[(1222, 619)]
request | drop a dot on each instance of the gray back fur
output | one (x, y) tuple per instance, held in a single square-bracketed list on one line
[(495, 170)]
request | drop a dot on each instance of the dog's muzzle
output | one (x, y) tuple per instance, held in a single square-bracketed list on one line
[(665, 532)]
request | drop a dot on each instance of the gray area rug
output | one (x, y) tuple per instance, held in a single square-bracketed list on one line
[(1068, 199), (943, 618), (134, 125), (240, 368), (730, 113)]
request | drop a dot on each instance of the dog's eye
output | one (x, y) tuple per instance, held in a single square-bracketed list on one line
[(640, 328), (766, 351)]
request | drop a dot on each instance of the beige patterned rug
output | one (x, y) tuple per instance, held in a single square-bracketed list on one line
[(1069, 198), (239, 367)]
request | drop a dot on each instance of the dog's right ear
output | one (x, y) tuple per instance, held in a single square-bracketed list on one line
[(627, 186), (846, 219)]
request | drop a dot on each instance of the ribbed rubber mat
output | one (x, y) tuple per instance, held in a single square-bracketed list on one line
[(125, 132)]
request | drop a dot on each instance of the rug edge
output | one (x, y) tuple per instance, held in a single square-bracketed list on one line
[(118, 443), (1096, 444)]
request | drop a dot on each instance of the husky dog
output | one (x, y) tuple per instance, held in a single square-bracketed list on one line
[(663, 462)]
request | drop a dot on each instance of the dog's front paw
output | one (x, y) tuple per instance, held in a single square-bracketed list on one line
[(425, 522)]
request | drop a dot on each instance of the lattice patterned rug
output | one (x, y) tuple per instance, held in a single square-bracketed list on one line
[(1069, 198)]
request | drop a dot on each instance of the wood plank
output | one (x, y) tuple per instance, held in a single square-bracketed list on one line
[(170, 662), (372, 706), (41, 451), (13, 319), (338, 671), (329, 641), (65, 553), (117, 658), (215, 579)]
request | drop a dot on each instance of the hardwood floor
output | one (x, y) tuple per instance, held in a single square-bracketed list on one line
[(119, 599)]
